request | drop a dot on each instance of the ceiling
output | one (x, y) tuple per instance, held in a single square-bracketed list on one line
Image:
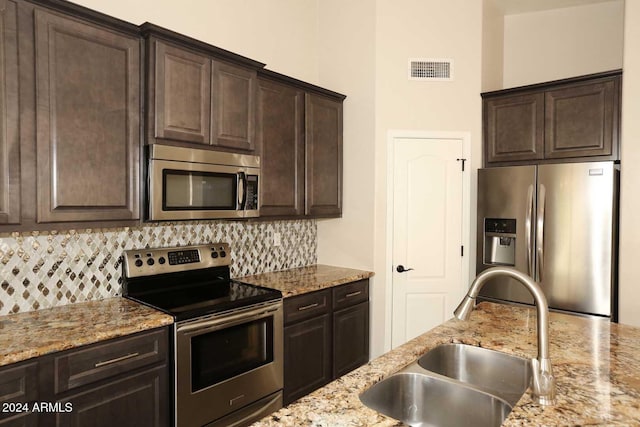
[(513, 7)]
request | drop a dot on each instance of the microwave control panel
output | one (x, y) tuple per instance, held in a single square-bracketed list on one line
[(252, 192)]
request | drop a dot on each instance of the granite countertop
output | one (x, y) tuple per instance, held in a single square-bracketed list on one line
[(302, 280), (595, 363), (36, 333)]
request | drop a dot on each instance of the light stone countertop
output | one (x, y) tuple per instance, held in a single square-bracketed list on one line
[(36, 333), (301, 280), (596, 364)]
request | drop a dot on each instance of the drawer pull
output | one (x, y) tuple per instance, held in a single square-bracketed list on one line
[(116, 360), (307, 307), (353, 294)]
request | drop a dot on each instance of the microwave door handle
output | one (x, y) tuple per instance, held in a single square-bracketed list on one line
[(242, 190)]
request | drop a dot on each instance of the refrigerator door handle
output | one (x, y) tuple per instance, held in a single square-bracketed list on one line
[(527, 230), (540, 230)]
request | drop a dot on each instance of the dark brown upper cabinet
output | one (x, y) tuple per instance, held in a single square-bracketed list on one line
[(514, 127), (571, 119), (88, 120), (9, 118), (198, 93), (71, 127), (280, 136), (233, 106), (299, 132), (582, 120), (323, 139), (182, 94)]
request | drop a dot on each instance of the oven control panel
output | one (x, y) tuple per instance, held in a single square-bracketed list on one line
[(147, 262), (183, 257)]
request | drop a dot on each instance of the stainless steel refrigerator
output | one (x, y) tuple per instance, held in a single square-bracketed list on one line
[(557, 223)]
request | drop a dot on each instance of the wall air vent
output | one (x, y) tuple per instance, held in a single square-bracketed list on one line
[(434, 70)]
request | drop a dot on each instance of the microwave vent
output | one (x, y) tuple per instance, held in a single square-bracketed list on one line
[(431, 69)]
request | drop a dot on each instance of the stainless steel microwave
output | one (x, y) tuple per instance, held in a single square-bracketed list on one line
[(189, 183)]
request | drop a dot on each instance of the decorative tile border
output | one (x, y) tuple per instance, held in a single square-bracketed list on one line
[(46, 269)]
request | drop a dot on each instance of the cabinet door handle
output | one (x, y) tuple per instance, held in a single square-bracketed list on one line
[(353, 294), (307, 307), (116, 360)]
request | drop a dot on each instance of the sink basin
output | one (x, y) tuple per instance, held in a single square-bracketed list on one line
[(422, 400), (499, 374)]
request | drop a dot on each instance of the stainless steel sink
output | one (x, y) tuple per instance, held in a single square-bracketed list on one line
[(421, 400), (499, 374)]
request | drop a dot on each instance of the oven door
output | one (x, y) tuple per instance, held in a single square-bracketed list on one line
[(227, 361), (183, 190)]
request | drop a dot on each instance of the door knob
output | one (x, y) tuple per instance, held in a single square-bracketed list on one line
[(401, 269)]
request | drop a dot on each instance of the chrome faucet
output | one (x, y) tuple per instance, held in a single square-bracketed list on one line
[(543, 387)]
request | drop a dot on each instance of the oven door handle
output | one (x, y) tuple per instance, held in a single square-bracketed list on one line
[(226, 320)]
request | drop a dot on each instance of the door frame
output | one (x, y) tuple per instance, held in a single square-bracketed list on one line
[(465, 137)]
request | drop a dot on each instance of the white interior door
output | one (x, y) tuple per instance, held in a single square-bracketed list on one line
[(427, 234)]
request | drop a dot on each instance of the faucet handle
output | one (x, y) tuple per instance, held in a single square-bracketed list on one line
[(543, 382)]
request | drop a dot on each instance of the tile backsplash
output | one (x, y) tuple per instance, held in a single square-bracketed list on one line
[(46, 269)]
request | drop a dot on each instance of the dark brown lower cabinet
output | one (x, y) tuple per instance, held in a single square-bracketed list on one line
[(326, 335), (120, 382), (19, 389), (307, 360), (351, 338), (135, 400)]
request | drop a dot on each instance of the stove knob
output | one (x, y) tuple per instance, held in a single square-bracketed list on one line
[(138, 263), (214, 255), (150, 261), (223, 254), (161, 260)]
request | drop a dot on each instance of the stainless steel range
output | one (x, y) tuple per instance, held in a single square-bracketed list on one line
[(227, 338)]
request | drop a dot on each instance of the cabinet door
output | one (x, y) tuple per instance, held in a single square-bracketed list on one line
[(233, 103), (582, 120), (23, 419), (9, 142), (182, 101), (137, 400), (19, 384), (88, 121), (323, 139), (514, 128), (350, 338), (280, 138), (307, 357)]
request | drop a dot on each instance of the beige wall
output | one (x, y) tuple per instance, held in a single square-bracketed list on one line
[(281, 33), (630, 172), (347, 65), (422, 29), (492, 46), (560, 43), (347, 61)]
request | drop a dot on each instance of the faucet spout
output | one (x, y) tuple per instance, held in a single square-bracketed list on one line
[(543, 387)]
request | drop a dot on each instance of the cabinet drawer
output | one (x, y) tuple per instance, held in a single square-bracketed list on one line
[(306, 306), (350, 294), (84, 366)]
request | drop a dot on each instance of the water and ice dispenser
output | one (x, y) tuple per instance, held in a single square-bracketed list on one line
[(500, 241)]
